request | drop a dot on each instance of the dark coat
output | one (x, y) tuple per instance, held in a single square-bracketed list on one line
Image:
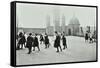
[(36, 43), (29, 41), (86, 36), (22, 40), (57, 41), (41, 38), (64, 40), (46, 40)]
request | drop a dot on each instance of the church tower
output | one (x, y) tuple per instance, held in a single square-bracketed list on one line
[(48, 24), (63, 25), (56, 20), (48, 21), (49, 28)]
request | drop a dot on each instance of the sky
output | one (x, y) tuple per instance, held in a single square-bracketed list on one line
[(35, 15)]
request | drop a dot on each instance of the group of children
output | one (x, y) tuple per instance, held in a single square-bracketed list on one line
[(89, 37), (31, 41)]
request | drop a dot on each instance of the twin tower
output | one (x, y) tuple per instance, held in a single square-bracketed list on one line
[(59, 24)]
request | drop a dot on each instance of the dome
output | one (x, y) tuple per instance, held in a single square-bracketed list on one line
[(74, 21)]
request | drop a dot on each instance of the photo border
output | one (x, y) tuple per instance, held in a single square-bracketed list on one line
[(13, 32)]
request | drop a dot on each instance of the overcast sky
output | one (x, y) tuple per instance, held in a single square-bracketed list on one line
[(34, 15)]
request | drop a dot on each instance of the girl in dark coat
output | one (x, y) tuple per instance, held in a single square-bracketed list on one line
[(41, 39), (57, 42), (23, 41), (46, 40), (20, 40), (64, 41), (90, 37), (29, 43), (36, 43), (86, 36)]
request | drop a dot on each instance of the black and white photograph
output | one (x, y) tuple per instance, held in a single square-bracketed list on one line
[(47, 34)]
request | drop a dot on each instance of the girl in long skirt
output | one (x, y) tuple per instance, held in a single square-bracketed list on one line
[(20, 41), (29, 43), (23, 41), (86, 37), (57, 42), (36, 43), (64, 41), (91, 37), (41, 39), (46, 40)]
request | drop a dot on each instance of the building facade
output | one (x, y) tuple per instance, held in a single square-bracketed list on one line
[(71, 29)]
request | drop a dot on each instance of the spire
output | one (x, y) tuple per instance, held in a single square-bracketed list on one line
[(63, 24), (48, 21), (63, 20), (56, 17), (74, 15)]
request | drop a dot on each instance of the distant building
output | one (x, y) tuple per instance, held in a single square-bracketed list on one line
[(32, 30), (71, 29), (73, 26), (49, 28)]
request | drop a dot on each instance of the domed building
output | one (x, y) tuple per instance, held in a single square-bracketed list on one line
[(73, 26), (71, 29), (59, 25)]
